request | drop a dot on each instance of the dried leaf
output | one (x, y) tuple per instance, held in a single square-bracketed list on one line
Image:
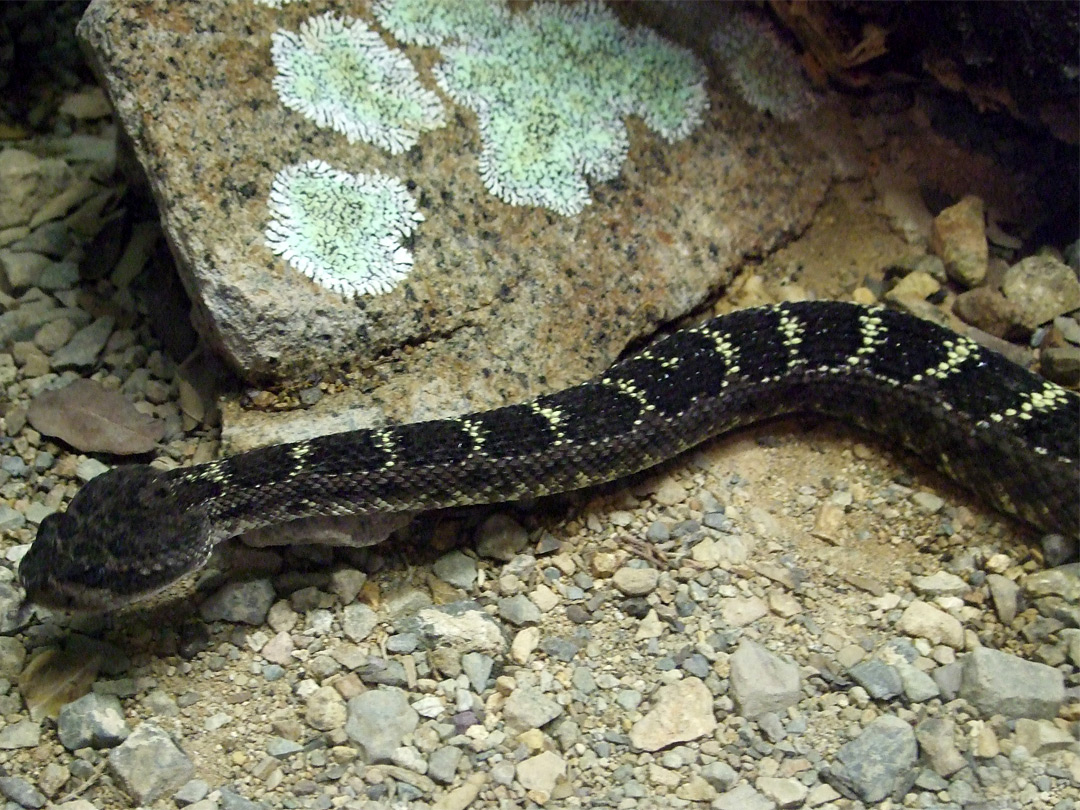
[(94, 419), (54, 678)]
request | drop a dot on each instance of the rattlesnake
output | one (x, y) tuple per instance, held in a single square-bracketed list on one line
[(1003, 432)]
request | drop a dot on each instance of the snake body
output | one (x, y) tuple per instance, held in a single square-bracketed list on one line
[(1007, 434)]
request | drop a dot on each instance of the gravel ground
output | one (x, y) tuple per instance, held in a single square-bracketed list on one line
[(794, 616)]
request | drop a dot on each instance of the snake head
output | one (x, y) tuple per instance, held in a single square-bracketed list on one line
[(122, 538)]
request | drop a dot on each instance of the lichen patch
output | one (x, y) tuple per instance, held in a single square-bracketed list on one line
[(341, 75), (345, 231)]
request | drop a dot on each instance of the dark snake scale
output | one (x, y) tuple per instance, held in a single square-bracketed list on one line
[(1008, 435)]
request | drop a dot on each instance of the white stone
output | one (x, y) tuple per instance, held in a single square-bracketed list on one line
[(785, 792), (926, 621), (741, 612), (541, 772), (636, 581), (681, 712), (761, 681), (524, 644)]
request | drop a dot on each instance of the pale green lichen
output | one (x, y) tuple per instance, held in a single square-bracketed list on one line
[(763, 68), (550, 87), (340, 74), (423, 22), (345, 231)]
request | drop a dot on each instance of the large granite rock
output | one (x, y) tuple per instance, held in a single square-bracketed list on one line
[(503, 301)]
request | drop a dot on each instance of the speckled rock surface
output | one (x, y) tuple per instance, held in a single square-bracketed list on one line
[(515, 300)]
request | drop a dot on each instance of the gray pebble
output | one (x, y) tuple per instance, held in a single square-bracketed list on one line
[(685, 528), (583, 681), (10, 519), (962, 793), (323, 666), (771, 727), (1006, 595), (442, 764), (21, 792), (456, 568), (162, 703), (381, 671), (14, 466), (1041, 628), (89, 468), (578, 614), (82, 770), (880, 680), (37, 512), (904, 648), (160, 365), (1057, 549), (879, 762), (402, 642), (935, 736), (762, 682), (527, 708), (82, 350), (23, 322), (1071, 639), (947, 679), (477, 668), (280, 748), (548, 543), (798, 726), (22, 734), (941, 583), (21, 269), (310, 396), (697, 665), (744, 797), (59, 276), (158, 391), (378, 720), (149, 765), (658, 532), (500, 537), (995, 682), (194, 791), (919, 687), (720, 775), (718, 521), (684, 605), (54, 334), (358, 621), (53, 239), (231, 800), (928, 780), (1069, 328), (135, 384), (560, 649), (519, 610), (928, 502), (636, 581), (503, 773), (584, 581), (119, 687), (247, 602)]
